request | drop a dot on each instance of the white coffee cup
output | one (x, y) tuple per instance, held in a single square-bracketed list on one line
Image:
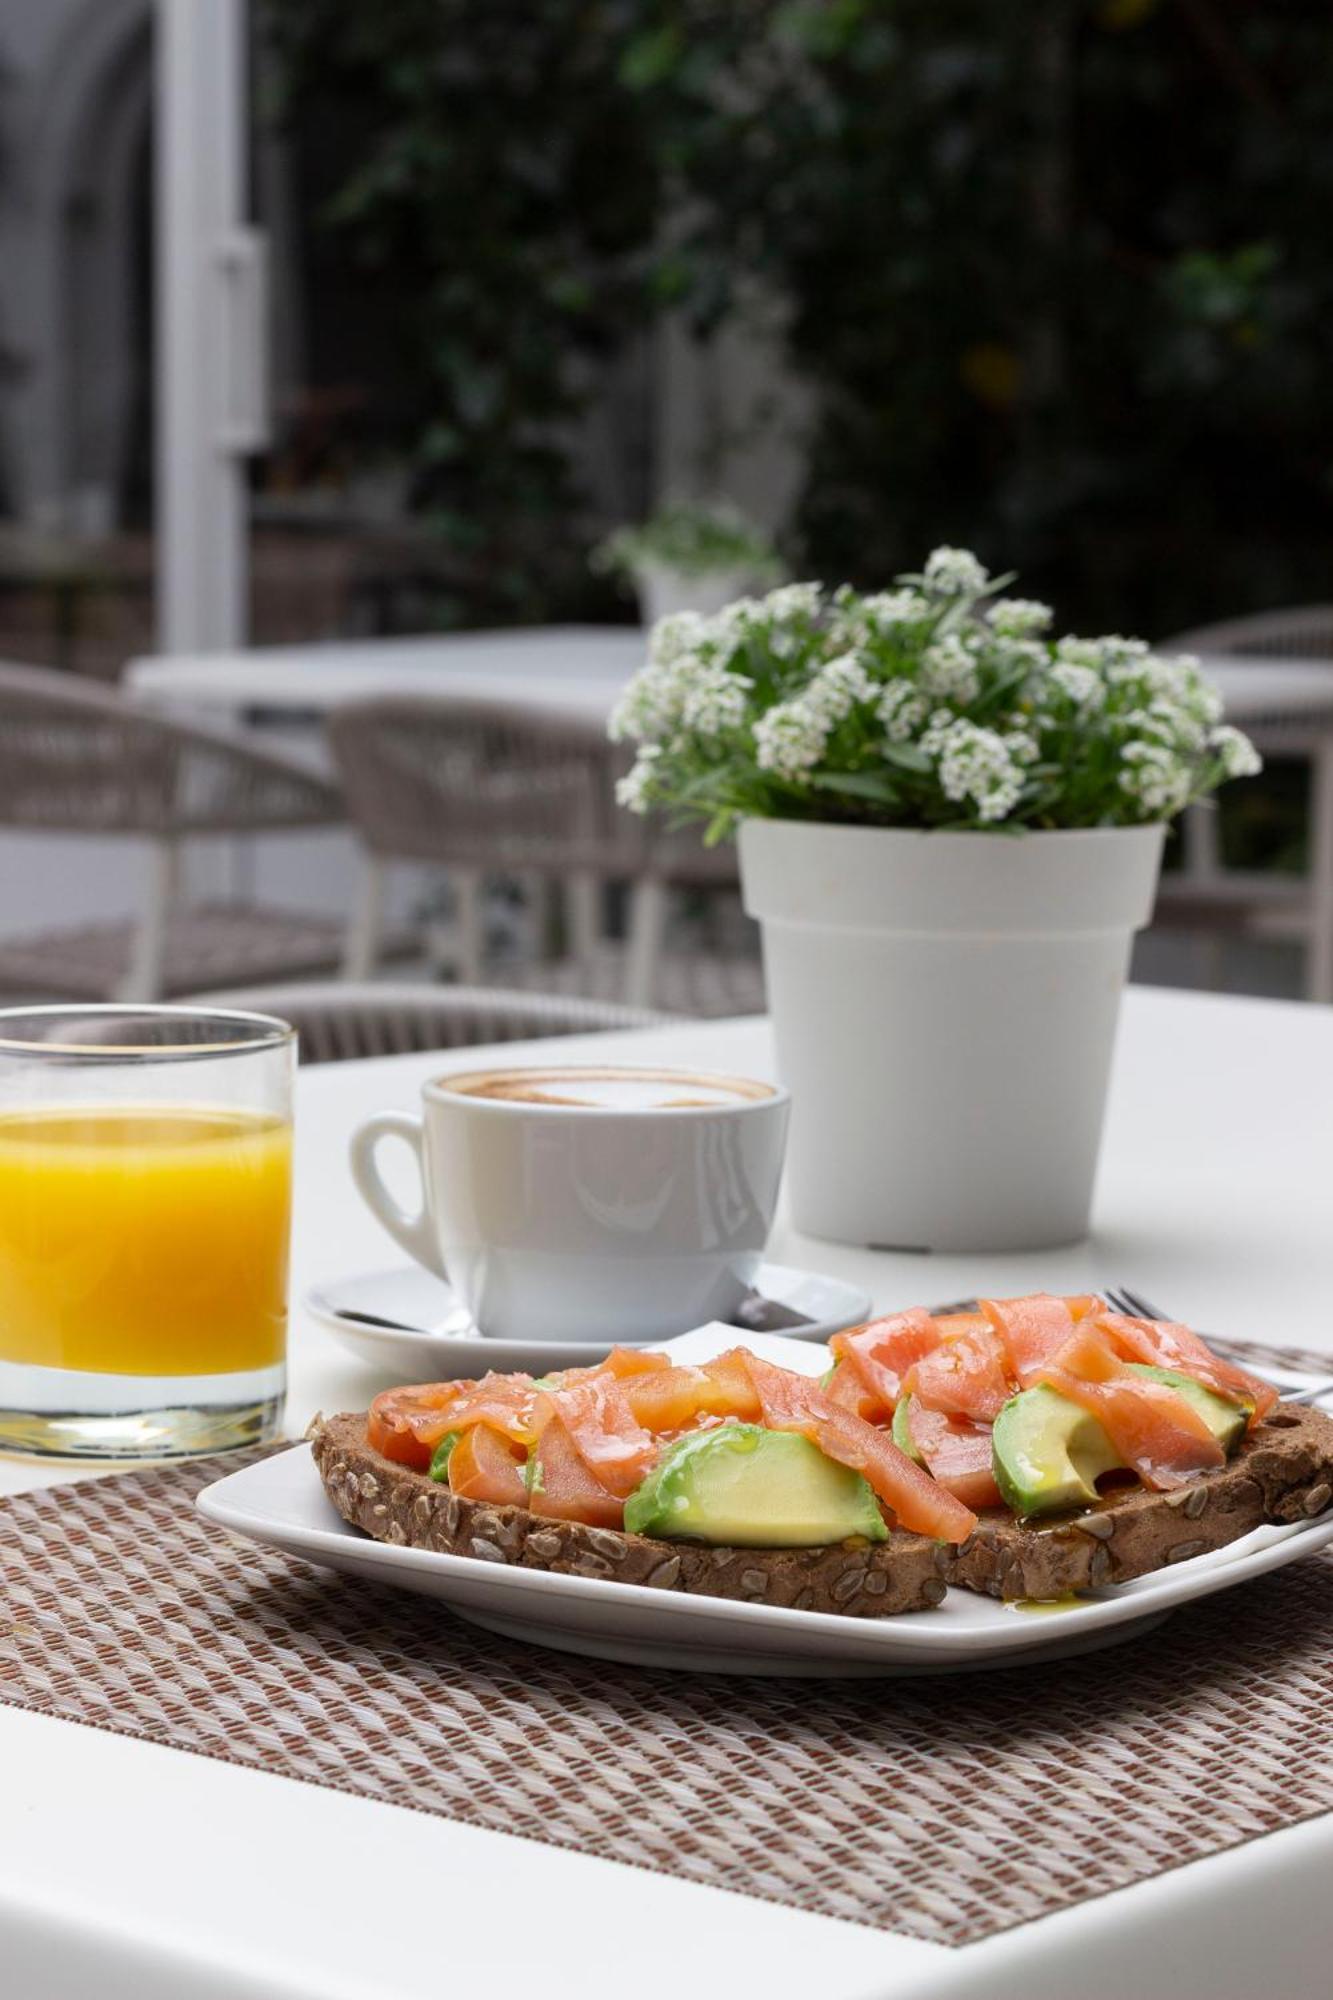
[(578, 1203)]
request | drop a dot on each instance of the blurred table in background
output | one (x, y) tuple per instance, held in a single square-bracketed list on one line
[(575, 669)]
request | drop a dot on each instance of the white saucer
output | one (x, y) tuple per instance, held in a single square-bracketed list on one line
[(449, 1345), (281, 1502)]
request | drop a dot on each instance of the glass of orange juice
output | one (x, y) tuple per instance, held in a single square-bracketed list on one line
[(145, 1210)]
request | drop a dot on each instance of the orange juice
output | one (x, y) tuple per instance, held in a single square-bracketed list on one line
[(144, 1239)]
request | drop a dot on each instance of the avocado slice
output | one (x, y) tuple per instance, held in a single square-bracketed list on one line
[(1049, 1453), (746, 1487), (1227, 1420), (902, 1430), (443, 1452)]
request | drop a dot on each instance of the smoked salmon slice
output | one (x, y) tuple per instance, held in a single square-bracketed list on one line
[(562, 1488), (485, 1466), (957, 1453), (1032, 1329), (397, 1417), (597, 1417), (791, 1402), (1155, 1431), (1165, 1343), (965, 1377), (879, 1354)]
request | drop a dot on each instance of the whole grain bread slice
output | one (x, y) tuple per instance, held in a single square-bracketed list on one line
[(1282, 1472), (394, 1504)]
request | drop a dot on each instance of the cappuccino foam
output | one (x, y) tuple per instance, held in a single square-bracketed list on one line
[(609, 1089)]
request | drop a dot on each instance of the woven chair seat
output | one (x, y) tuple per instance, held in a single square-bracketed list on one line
[(709, 985), (344, 1023), (206, 945)]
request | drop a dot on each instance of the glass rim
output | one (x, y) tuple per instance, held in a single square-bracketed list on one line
[(273, 1033)]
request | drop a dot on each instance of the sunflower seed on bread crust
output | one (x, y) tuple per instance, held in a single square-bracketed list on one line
[(856, 1579), (1282, 1472)]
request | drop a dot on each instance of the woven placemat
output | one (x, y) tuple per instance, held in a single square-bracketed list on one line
[(947, 1809)]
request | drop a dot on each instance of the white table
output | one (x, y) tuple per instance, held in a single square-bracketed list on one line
[(146, 1874), (576, 669)]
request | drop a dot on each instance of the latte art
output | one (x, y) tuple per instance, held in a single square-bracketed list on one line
[(573, 1088)]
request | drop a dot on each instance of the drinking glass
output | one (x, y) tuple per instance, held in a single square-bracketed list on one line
[(145, 1212)]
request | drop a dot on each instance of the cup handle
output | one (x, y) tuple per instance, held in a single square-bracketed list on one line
[(414, 1232)]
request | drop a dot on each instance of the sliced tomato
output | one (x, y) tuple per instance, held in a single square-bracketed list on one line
[(1165, 1343), (484, 1465), (562, 1487), (1032, 1329), (791, 1402), (880, 1353), (967, 1376), (401, 1420), (1155, 1431), (957, 1454)]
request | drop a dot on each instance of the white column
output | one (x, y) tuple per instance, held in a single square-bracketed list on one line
[(211, 396)]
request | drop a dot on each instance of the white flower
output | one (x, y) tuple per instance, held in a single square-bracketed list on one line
[(1019, 617), (955, 573), (715, 700), (1239, 757), (1083, 686), (794, 600), (679, 632), (1156, 777), (790, 739), (632, 790), (949, 669), (686, 692), (885, 614), (902, 710), (977, 764), (837, 687), (1024, 749)]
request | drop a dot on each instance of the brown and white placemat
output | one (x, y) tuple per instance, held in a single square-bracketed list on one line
[(948, 1809)]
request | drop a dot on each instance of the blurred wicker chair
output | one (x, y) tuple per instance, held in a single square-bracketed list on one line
[(1205, 894), (342, 1022), (493, 788), (78, 760), (1302, 633)]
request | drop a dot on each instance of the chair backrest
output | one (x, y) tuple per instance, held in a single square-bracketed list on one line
[(79, 759), (483, 784), (337, 1023), (499, 786), (1304, 632)]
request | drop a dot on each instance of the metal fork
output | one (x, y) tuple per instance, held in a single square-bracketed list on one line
[(1126, 1301)]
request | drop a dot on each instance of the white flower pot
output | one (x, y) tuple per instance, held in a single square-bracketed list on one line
[(945, 1007), (664, 591)]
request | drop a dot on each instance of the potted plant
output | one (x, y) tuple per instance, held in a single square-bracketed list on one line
[(950, 827), (690, 556)]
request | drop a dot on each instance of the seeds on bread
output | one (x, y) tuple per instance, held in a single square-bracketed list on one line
[(1282, 1472), (394, 1504)]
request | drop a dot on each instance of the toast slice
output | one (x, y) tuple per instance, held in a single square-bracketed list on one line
[(395, 1504), (1282, 1472)]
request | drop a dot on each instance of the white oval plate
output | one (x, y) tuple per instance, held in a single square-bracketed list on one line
[(281, 1502), (450, 1346)]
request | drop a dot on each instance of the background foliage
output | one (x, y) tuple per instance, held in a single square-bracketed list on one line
[(1060, 274)]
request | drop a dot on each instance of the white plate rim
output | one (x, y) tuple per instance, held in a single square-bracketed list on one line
[(919, 1634)]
